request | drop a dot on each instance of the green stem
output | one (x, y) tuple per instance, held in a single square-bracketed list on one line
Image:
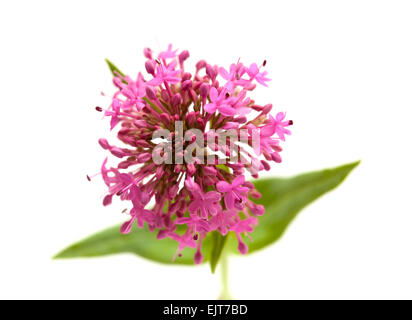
[(224, 273)]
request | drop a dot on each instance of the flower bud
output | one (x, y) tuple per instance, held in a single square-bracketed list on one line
[(210, 71), (186, 84), (204, 90), (257, 209), (210, 170), (177, 99), (107, 200), (276, 157), (198, 257), (147, 53), (201, 64), (265, 165), (144, 157), (165, 118), (183, 56), (267, 108), (104, 143), (191, 169), (117, 152), (164, 95), (150, 67), (242, 247), (230, 125), (150, 93), (242, 119), (140, 123), (186, 76)]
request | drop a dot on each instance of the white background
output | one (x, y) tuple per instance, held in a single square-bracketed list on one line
[(341, 69)]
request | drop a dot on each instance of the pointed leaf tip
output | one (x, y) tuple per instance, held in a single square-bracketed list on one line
[(217, 245), (113, 68)]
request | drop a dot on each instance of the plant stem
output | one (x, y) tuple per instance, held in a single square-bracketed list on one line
[(224, 274)]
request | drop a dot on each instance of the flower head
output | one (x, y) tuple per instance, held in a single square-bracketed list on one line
[(163, 119)]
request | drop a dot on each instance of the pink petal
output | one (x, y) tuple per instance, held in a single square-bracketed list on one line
[(193, 207), (210, 108), (183, 220), (280, 116), (230, 86), (242, 189), (192, 186), (226, 110), (253, 69), (155, 82), (213, 94), (223, 186), (229, 200), (243, 111), (212, 196), (238, 181), (267, 131), (127, 226), (224, 73)]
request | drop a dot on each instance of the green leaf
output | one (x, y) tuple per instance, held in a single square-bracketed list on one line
[(283, 198), (218, 243), (141, 242), (113, 68)]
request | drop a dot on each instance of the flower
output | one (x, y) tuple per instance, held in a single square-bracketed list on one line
[(235, 193), (279, 125), (255, 74), (220, 102), (133, 91), (204, 203), (243, 226), (165, 74), (168, 54), (177, 186)]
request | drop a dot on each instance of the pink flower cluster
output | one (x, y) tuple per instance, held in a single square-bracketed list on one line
[(201, 197)]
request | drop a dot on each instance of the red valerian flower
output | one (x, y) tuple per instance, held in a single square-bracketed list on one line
[(163, 115)]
